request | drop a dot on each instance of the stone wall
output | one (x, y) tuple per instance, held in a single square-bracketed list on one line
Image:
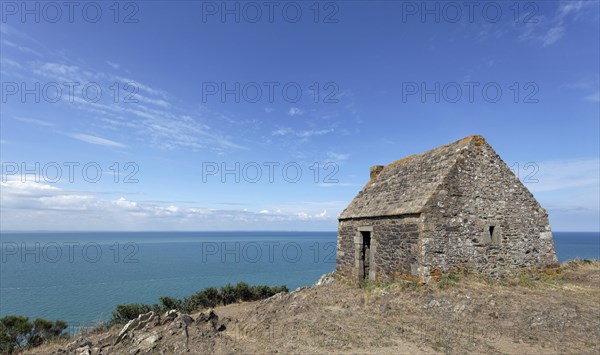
[(394, 244), (455, 206), (479, 192)]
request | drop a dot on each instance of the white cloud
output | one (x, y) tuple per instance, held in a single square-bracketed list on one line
[(269, 109), (295, 111), (96, 140), (35, 206), (18, 188), (122, 202)]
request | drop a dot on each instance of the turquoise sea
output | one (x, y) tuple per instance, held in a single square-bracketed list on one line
[(80, 277)]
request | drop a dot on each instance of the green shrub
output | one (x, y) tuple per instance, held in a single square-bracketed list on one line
[(263, 291), (126, 312), (207, 298), (244, 292), (44, 329), (14, 331), (169, 303), (213, 298), (228, 294), (17, 332)]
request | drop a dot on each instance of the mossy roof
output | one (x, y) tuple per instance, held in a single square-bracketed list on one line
[(406, 185)]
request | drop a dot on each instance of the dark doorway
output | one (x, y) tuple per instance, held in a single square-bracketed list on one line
[(366, 254)]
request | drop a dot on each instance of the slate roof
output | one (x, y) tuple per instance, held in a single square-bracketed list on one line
[(405, 186)]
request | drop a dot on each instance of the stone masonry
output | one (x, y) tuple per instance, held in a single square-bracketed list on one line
[(456, 206)]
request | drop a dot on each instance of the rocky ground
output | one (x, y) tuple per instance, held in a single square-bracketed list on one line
[(533, 314)]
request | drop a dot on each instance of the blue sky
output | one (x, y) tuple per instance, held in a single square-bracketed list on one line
[(362, 83)]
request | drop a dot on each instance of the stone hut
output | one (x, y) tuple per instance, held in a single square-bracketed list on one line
[(456, 206)]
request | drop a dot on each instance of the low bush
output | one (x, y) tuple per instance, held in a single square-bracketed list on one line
[(17, 332), (126, 312), (207, 298)]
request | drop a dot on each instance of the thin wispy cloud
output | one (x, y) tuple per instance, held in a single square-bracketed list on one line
[(310, 133), (553, 35), (158, 118), (34, 121), (96, 140), (581, 84), (9, 62), (301, 133), (8, 43), (158, 102), (556, 175), (113, 65), (148, 111), (143, 87), (282, 131), (549, 30), (7, 30), (337, 156)]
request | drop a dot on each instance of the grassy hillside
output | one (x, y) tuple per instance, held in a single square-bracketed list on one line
[(551, 312)]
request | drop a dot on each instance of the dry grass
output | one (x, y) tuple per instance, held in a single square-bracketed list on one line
[(534, 312)]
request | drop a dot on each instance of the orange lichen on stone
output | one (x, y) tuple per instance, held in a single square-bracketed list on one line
[(479, 142), (411, 278), (474, 137), (436, 274)]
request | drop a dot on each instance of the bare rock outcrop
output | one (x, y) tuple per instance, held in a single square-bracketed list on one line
[(152, 333)]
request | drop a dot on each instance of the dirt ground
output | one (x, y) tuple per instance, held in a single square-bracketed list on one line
[(535, 313)]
